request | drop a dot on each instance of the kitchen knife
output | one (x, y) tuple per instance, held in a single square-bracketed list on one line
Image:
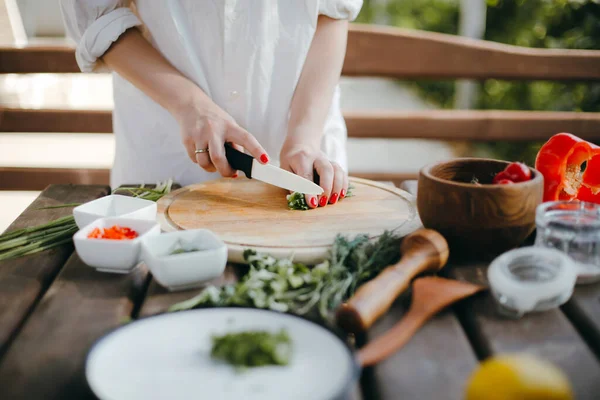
[(269, 173)]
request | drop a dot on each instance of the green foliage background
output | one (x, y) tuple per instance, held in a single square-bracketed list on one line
[(570, 24)]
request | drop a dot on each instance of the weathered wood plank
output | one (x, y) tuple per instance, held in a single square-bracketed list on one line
[(51, 58), (55, 120), (381, 51), (24, 280), (471, 125), (434, 365), (47, 358), (39, 178), (453, 125), (548, 335), (158, 299), (584, 311)]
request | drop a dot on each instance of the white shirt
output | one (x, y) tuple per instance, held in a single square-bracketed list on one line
[(250, 53)]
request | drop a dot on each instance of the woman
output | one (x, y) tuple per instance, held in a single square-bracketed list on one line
[(262, 74)]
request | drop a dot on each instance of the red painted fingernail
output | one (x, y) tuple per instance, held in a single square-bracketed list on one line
[(313, 202), (342, 194), (264, 159), (334, 198), (323, 201), (235, 176)]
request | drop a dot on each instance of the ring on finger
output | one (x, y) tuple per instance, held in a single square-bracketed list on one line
[(199, 151)]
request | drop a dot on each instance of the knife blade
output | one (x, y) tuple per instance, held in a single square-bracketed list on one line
[(270, 174)]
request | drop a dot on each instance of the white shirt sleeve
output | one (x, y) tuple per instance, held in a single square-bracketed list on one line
[(340, 9), (95, 25)]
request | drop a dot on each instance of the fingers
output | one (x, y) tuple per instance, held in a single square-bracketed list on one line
[(190, 148), (338, 183), (248, 141), (304, 168), (218, 158), (344, 190), (195, 138), (326, 175), (203, 159), (201, 133)]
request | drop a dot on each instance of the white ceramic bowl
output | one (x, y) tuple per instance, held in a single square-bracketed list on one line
[(114, 206), (185, 270), (117, 256)]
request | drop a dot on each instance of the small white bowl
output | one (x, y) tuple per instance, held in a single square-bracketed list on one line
[(114, 205), (185, 270), (116, 256)]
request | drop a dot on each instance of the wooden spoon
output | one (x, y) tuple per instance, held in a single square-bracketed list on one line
[(422, 251), (430, 295)]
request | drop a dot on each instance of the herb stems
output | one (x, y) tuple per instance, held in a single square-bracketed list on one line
[(285, 286)]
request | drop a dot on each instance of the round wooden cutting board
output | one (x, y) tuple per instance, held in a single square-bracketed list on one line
[(249, 214)]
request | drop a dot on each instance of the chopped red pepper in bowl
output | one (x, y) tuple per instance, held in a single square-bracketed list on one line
[(561, 161), (114, 233), (518, 172), (513, 173)]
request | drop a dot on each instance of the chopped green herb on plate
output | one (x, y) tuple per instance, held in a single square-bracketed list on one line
[(253, 348)]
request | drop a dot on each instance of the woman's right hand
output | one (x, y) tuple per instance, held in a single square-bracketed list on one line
[(204, 125)]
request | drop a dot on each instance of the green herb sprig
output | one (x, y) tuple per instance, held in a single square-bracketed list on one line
[(152, 194), (285, 286), (297, 201), (253, 348)]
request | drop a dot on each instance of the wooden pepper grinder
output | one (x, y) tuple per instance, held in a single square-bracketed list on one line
[(424, 251)]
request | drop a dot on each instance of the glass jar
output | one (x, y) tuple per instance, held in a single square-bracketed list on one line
[(574, 228), (531, 279)]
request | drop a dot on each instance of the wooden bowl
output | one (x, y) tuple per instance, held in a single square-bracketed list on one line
[(477, 220)]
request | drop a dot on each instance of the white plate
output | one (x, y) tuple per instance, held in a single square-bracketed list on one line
[(168, 357)]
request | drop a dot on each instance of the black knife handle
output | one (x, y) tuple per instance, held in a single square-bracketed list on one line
[(316, 178), (239, 161)]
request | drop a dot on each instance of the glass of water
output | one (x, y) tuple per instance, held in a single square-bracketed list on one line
[(574, 228)]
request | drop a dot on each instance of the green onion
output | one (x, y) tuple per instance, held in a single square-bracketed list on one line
[(20, 232), (59, 206), (50, 241)]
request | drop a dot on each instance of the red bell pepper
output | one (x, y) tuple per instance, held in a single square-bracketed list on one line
[(560, 161), (590, 191)]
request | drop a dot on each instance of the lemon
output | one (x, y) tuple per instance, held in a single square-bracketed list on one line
[(518, 377)]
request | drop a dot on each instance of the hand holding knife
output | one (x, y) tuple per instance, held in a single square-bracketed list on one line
[(269, 173)]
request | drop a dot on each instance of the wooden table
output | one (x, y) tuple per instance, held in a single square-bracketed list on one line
[(53, 308)]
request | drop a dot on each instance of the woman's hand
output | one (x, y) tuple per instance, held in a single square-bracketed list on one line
[(309, 110), (204, 125), (303, 159)]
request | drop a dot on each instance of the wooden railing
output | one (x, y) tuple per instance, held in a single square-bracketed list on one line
[(372, 51)]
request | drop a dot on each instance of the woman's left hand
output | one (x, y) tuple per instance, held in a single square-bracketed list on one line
[(303, 159)]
